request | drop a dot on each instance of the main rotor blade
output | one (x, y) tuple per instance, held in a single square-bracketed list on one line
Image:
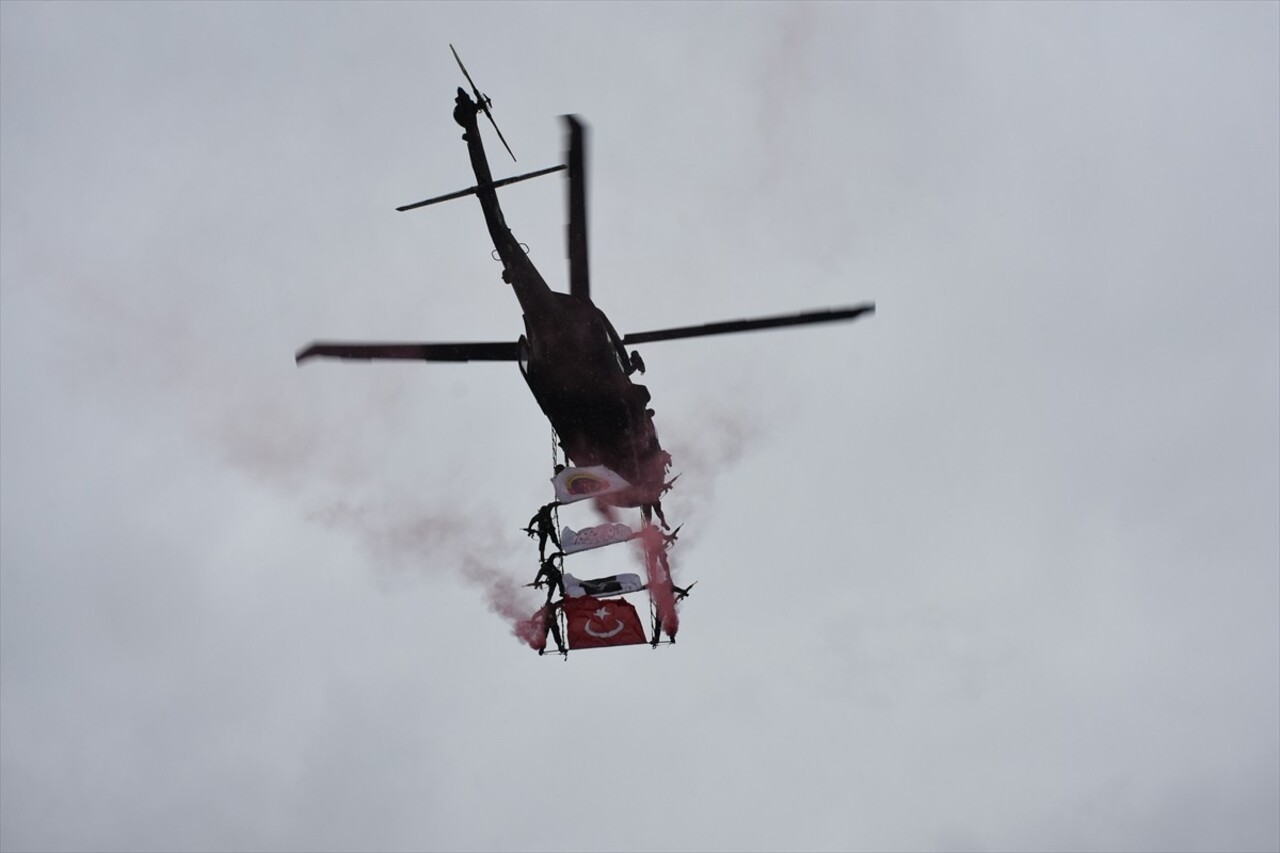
[(731, 326), (473, 190), (484, 106), (409, 351), (579, 274)]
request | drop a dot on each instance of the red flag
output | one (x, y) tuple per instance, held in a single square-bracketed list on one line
[(594, 623)]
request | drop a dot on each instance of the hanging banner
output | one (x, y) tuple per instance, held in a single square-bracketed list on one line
[(593, 623), (572, 541), (593, 481), (612, 585)]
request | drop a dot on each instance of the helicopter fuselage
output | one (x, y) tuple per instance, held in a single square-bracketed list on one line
[(571, 357)]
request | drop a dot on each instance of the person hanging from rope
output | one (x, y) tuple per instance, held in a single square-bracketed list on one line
[(682, 593), (542, 526), (650, 509), (551, 625), (662, 519), (657, 630), (554, 576), (657, 624)]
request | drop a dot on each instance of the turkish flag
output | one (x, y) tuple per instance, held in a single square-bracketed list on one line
[(594, 623)]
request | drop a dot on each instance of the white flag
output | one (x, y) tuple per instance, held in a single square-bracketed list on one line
[(602, 587), (572, 540), (593, 481)]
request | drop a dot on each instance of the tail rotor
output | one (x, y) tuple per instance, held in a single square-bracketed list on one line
[(483, 101)]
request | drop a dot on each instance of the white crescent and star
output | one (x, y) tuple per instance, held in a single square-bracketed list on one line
[(600, 614)]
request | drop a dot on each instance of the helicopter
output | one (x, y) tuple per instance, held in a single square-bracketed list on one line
[(575, 363)]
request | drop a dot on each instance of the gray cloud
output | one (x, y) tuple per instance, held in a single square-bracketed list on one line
[(996, 569)]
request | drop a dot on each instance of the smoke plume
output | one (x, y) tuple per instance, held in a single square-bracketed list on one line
[(417, 540)]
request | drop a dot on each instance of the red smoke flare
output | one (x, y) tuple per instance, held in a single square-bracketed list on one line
[(442, 539), (506, 599), (659, 572)]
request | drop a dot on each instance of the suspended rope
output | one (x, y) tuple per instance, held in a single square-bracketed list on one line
[(555, 462), (654, 622)]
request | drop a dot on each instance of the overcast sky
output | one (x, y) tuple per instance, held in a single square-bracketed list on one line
[(997, 569)]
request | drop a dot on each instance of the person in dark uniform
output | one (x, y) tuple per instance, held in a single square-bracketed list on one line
[(542, 526), (554, 576), (657, 510), (551, 624)]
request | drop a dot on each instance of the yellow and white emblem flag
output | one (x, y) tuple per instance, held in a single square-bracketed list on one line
[(593, 481)]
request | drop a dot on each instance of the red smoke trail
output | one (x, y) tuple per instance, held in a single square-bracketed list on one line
[(707, 443), (659, 572), (505, 598), (467, 542)]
